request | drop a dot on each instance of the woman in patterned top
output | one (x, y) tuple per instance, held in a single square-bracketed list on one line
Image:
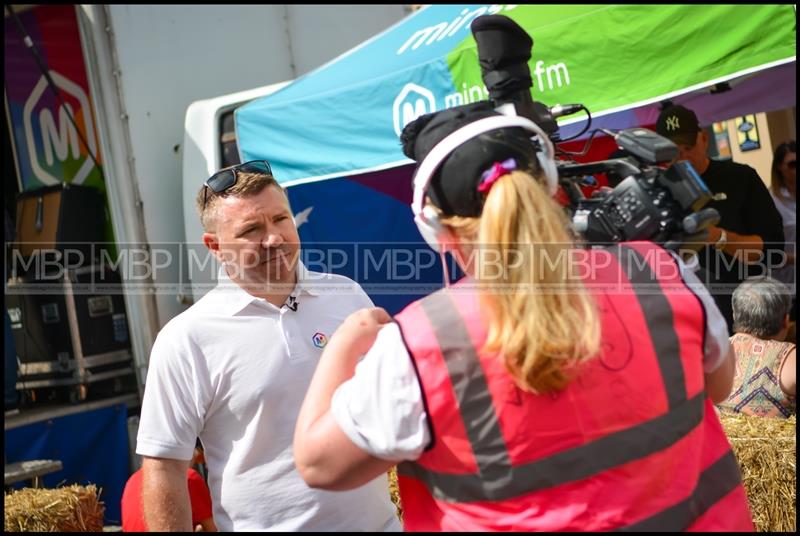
[(765, 380)]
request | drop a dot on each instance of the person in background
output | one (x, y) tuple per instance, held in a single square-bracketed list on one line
[(234, 367), (749, 227), (199, 497), (766, 367), (528, 396), (784, 192)]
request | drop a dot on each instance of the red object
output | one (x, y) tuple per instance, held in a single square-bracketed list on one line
[(498, 170), (633, 442), (133, 514), (601, 147)]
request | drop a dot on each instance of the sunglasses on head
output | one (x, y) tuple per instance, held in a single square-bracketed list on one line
[(225, 178)]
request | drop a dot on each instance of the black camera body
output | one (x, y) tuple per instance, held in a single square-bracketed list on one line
[(650, 203), (665, 206)]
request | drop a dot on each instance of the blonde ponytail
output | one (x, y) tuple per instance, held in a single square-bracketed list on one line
[(541, 319)]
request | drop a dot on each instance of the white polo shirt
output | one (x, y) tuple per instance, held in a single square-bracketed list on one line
[(233, 370)]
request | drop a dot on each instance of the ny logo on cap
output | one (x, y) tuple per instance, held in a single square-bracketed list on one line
[(673, 123)]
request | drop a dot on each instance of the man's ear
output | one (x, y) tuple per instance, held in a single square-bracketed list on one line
[(211, 240), (704, 138)]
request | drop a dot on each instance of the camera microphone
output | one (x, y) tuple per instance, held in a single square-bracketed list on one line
[(291, 303)]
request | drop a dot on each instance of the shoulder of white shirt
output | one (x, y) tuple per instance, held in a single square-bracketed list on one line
[(229, 298)]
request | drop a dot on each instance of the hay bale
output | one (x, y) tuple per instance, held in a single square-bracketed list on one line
[(394, 491), (766, 451), (68, 509)]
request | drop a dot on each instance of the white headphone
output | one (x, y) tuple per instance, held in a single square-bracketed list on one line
[(425, 217)]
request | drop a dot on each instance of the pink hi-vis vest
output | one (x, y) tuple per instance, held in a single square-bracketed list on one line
[(632, 443)]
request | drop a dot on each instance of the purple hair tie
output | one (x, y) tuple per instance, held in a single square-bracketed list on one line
[(490, 176)]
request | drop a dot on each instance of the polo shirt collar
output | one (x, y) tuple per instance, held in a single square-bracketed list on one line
[(231, 298), (305, 281)]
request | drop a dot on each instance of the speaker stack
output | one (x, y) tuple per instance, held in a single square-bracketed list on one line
[(65, 300)]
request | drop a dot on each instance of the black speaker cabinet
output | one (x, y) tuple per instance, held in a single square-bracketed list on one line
[(59, 218), (69, 328)]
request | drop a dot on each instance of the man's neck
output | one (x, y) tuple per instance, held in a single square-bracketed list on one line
[(275, 293), (275, 296), (704, 165)]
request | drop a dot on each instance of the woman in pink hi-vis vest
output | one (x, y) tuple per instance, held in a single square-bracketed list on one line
[(552, 388)]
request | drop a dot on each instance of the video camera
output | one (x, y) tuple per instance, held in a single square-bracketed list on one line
[(667, 206)]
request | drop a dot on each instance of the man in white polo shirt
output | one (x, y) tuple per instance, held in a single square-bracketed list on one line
[(233, 370)]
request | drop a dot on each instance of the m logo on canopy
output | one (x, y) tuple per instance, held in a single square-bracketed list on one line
[(412, 102)]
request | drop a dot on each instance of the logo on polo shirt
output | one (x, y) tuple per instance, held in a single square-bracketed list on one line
[(319, 340)]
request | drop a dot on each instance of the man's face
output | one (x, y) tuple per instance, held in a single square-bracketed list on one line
[(256, 238), (695, 154)]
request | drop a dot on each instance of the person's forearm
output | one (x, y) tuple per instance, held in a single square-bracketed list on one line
[(337, 364), (324, 455), (165, 498), (746, 248)]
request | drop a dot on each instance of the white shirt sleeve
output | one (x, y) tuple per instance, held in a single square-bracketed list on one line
[(380, 408), (171, 418), (717, 343)]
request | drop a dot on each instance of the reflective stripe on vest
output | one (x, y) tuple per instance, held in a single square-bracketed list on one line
[(715, 482), (496, 478), (655, 305)]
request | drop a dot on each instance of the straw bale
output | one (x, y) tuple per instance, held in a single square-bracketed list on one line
[(68, 509), (394, 491), (766, 449)]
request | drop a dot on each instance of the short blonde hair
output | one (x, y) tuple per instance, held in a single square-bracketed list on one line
[(247, 183)]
